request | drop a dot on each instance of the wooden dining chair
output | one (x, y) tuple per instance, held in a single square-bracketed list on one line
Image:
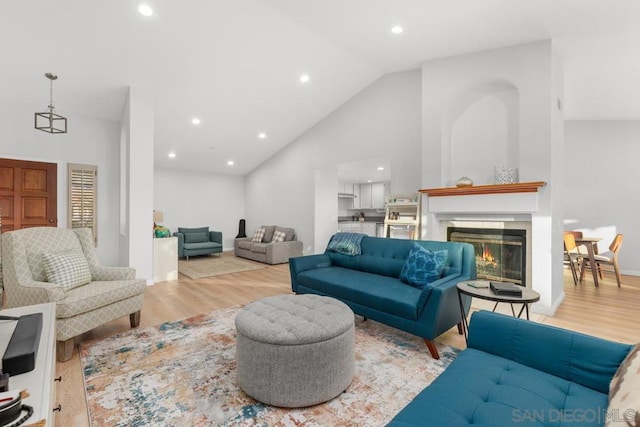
[(609, 258), (577, 235), (573, 255)]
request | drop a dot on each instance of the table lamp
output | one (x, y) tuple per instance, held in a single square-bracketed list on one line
[(158, 216)]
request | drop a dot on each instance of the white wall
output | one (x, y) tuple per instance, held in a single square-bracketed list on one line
[(556, 171), (198, 199), (136, 233), (325, 207), (448, 84), (88, 141), (383, 121), (601, 177), (485, 135)]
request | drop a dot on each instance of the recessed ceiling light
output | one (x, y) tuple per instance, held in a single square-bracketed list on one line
[(172, 155), (369, 180), (145, 10), (380, 168), (304, 78), (195, 121), (230, 162), (397, 29)]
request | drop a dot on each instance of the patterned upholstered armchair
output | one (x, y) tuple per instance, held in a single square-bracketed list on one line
[(47, 264)]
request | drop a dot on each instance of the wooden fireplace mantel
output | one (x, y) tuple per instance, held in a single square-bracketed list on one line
[(520, 187)]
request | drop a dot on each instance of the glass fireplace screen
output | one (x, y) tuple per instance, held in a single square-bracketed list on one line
[(500, 254)]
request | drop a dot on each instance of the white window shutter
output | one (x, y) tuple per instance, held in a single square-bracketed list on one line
[(83, 197)]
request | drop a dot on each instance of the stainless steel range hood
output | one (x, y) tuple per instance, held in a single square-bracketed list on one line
[(346, 196)]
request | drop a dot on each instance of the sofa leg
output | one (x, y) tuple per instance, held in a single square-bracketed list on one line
[(134, 319), (64, 350), (432, 348), (460, 328)]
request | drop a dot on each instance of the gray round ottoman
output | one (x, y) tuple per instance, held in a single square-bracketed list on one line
[(295, 350)]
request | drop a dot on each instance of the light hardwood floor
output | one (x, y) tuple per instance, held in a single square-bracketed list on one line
[(608, 312)]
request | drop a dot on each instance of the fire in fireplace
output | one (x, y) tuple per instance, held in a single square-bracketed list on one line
[(500, 253)]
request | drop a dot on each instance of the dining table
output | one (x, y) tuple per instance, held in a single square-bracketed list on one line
[(591, 243)]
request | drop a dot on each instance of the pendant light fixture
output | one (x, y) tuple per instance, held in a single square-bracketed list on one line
[(49, 121)]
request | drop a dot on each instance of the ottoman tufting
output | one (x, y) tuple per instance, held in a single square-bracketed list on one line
[(295, 350)]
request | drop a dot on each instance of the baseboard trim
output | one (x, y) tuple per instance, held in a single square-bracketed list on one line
[(548, 310), (630, 272)]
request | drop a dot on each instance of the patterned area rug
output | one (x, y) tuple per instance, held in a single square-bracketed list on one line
[(183, 373), (197, 268)]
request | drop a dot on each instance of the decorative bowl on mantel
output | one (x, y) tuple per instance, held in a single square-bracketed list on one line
[(464, 181)]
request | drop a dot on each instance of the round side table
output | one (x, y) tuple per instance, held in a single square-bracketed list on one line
[(481, 290)]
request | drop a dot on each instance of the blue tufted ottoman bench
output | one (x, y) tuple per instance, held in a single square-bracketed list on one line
[(295, 350)]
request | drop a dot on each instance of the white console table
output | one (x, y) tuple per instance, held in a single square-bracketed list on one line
[(39, 382), (165, 259)]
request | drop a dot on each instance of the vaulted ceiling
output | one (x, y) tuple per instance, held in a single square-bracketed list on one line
[(236, 64)]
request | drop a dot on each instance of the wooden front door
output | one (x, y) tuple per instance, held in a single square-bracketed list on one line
[(28, 194)]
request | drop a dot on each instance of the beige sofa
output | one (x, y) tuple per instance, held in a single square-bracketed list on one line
[(267, 250)]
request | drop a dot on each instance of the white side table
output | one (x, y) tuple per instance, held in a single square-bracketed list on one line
[(39, 382), (165, 259)]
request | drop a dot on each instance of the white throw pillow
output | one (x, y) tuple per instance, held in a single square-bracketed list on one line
[(67, 270), (278, 236), (258, 235)]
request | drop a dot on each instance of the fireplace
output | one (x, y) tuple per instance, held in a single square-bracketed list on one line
[(524, 206), (500, 253)]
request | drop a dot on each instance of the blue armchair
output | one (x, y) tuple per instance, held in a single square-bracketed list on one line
[(198, 241)]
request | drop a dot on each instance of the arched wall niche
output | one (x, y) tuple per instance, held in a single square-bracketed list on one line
[(480, 130)]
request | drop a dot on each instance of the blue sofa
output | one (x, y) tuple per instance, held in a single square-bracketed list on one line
[(369, 283), (519, 373), (198, 241)]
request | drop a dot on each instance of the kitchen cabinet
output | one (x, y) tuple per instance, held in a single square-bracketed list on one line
[(372, 196), (349, 227), (356, 193), (346, 188), (349, 191), (368, 228), (378, 195), (365, 196)]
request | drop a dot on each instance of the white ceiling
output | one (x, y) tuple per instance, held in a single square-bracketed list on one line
[(235, 64)]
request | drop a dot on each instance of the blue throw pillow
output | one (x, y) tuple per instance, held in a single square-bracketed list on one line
[(423, 266)]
